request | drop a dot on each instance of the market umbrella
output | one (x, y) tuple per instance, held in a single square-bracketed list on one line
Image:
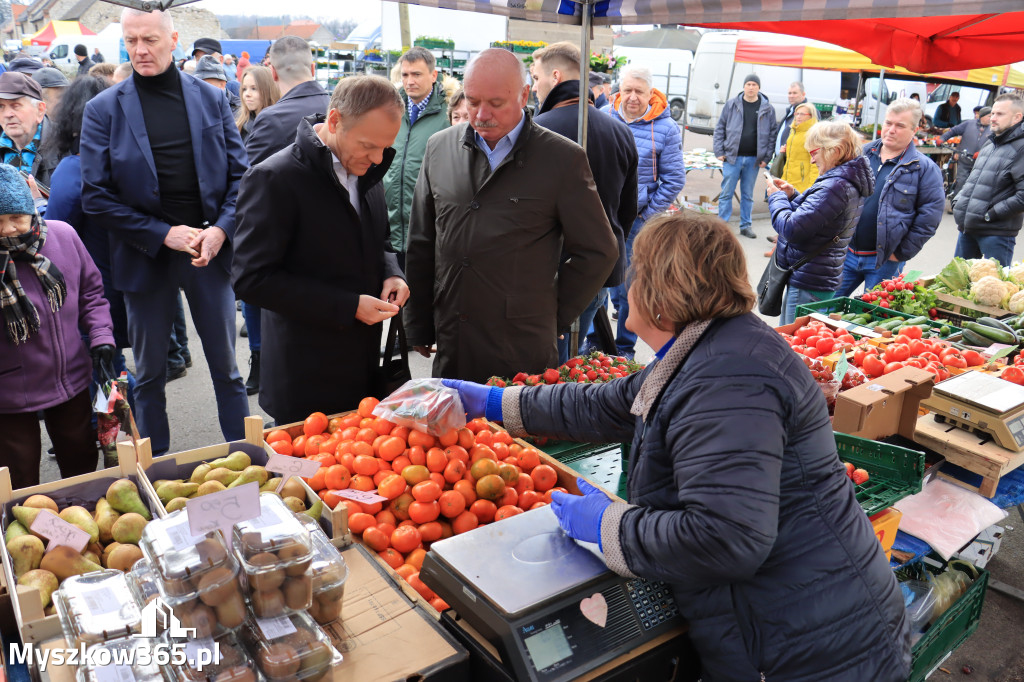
[(53, 29), (661, 38)]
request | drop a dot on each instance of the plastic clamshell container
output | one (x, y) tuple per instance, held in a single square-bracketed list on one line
[(229, 662), (329, 575), (276, 551), (182, 561), (143, 583), (97, 607), (91, 671), (290, 647)]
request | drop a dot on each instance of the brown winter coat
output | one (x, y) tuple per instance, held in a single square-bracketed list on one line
[(500, 263)]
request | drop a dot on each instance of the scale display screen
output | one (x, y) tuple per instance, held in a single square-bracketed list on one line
[(549, 646)]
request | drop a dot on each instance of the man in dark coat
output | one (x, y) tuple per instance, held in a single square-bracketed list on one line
[(988, 210), (291, 65), (84, 63), (972, 135), (312, 251), (947, 114), (508, 241), (610, 150)]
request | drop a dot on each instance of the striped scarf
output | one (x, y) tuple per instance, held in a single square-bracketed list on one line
[(20, 316)]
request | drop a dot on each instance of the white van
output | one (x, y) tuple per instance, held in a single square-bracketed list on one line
[(716, 78), (892, 89), (62, 49), (970, 97), (670, 69)]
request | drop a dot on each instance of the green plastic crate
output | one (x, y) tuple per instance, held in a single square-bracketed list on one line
[(950, 631), (603, 467), (895, 472), (562, 449), (854, 305)]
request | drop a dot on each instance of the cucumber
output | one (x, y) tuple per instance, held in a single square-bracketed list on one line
[(991, 333), (996, 324), (919, 321), (848, 317), (863, 318), (891, 324), (972, 339)]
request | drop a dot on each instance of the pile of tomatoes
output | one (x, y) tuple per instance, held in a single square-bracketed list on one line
[(908, 351), (434, 486), (595, 368), (816, 339)]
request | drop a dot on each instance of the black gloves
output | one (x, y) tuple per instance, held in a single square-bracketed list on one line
[(103, 363)]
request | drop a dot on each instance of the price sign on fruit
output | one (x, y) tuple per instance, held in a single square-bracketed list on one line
[(58, 531), (360, 496), (222, 510), (292, 466)]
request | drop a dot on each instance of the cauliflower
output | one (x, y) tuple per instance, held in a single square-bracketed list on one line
[(1016, 272), (1011, 289), (1016, 304), (984, 268), (988, 290)]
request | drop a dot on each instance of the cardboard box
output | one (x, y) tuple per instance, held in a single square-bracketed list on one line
[(383, 635), (181, 465), (82, 490), (883, 406), (886, 523)]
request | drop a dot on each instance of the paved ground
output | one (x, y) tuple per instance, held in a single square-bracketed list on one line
[(996, 651)]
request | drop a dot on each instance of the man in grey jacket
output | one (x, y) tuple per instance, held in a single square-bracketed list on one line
[(989, 209), (744, 142)]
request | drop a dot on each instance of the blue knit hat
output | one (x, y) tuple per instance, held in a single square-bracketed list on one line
[(15, 196)]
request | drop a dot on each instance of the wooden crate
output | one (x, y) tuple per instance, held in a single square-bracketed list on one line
[(181, 465), (83, 490), (963, 306), (970, 451)]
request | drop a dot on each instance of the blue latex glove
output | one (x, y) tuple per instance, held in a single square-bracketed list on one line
[(479, 400), (580, 517)]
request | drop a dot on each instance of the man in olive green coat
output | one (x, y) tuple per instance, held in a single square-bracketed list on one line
[(508, 241), (425, 113)]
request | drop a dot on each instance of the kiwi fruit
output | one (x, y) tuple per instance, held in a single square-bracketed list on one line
[(265, 578), (327, 611), (298, 593), (267, 603), (318, 655), (292, 551), (203, 619), (217, 585), (231, 611), (279, 660)]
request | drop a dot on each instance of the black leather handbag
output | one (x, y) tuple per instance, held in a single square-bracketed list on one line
[(772, 286), (394, 369)]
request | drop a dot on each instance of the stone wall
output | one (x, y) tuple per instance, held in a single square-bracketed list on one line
[(191, 23)]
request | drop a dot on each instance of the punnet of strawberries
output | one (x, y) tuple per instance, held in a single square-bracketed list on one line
[(595, 368)]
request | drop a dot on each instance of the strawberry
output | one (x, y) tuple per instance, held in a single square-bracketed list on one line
[(849, 469), (551, 376), (859, 476), (519, 377)]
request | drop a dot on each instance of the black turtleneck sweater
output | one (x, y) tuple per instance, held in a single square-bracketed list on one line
[(170, 140)]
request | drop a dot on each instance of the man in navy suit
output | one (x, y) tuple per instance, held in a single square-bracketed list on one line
[(161, 163)]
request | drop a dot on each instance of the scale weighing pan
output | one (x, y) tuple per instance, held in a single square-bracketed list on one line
[(548, 603), (981, 403)]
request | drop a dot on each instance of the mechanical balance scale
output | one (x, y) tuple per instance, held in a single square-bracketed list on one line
[(548, 604), (981, 403)]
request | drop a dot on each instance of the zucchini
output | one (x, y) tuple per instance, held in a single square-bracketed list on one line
[(973, 339), (995, 324), (991, 333)]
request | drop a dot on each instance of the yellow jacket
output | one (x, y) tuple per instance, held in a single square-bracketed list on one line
[(799, 171)]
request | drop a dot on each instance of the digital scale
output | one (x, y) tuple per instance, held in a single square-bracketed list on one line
[(548, 604), (981, 403)]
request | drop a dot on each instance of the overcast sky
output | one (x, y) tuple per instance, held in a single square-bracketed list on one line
[(364, 10)]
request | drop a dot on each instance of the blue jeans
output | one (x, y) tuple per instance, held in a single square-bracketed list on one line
[(178, 354), (625, 340), (150, 320), (743, 171), (795, 297), (1000, 248), (586, 321), (857, 269), (251, 315)]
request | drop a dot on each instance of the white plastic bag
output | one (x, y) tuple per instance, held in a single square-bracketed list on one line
[(425, 405), (947, 516)]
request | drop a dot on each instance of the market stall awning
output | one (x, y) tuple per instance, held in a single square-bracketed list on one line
[(59, 28), (823, 56)]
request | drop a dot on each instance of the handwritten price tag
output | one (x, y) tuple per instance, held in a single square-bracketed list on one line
[(361, 496), (292, 466), (223, 509), (59, 532)]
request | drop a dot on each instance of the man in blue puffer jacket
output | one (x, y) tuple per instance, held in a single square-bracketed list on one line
[(744, 141), (660, 171)]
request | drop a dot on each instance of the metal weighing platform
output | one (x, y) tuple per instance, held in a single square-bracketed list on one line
[(547, 604), (981, 403)]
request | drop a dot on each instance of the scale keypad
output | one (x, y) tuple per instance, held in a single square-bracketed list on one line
[(653, 602)]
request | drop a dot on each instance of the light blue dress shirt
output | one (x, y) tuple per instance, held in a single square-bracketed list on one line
[(497, 155)]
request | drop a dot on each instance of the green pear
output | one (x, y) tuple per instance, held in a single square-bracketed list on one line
[(65, 562), (40, 502), (80, 516), (208, 487), (271, 486), (236, 461), (168, 491), (222, 475), (128, 528), (14, 530), (26, 515), (199, 473), (251, 474), (26, 553), (295, 504), (316, 510), (123, 496), (92, 556), (177, 503), (44, 581), (105, 516)]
